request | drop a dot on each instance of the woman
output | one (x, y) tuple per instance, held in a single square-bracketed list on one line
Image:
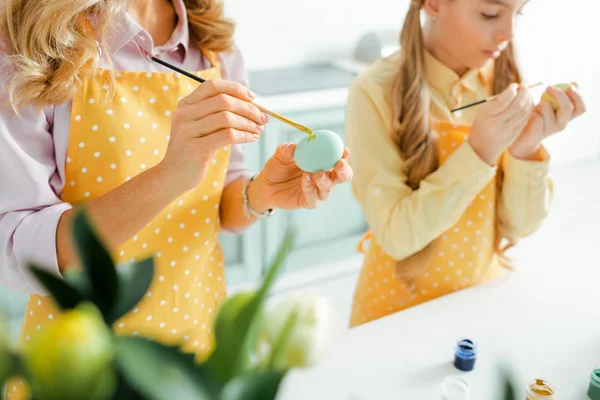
[(154, 156)]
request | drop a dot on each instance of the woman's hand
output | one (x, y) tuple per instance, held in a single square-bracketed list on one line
[(218, 113), (281, 184)]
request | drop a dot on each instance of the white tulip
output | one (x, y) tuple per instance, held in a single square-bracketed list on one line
[(309, 334)]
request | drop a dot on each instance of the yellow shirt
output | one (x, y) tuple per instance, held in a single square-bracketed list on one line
[(403, 220)]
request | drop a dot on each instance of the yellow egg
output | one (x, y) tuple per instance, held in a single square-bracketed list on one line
[(548, 98)]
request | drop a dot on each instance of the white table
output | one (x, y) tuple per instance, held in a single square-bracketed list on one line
[(522, 319)]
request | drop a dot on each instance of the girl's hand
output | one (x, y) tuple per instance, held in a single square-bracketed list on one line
[(544, 121), (499, 122)]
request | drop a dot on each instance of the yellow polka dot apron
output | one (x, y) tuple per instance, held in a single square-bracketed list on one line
[(465, 255), (111, 141)]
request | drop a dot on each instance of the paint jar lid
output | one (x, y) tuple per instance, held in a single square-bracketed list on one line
[(466, 348), (594, 387), (455, 387), (540, 389), (595, 376)]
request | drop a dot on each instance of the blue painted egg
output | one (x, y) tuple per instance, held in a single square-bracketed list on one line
[(319, 154)]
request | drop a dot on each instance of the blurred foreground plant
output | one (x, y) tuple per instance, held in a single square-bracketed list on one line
[(78, 356)]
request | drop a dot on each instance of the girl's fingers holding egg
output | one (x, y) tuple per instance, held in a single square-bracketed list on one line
[(565, 107), (545, 110), (577, 101)]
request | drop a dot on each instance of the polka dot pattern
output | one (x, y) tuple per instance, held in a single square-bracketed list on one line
[(110, 144), (465, 256)]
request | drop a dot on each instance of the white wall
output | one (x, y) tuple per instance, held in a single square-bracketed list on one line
[(282, 32), (551, 39), (558, 42)]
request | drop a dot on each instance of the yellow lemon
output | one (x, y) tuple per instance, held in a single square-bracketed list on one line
[(72, 358)]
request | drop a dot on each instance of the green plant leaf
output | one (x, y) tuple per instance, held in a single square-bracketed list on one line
[(125, 392), (10, 366), (255, 386), (132, 283), (63, 294), (278, 351), (96, 263), (78, 280), (17, 367), (508, 388), (159, 372), (235, 340), (274, 268)]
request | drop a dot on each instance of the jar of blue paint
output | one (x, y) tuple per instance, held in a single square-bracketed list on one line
[(465, 355), (594, 388)]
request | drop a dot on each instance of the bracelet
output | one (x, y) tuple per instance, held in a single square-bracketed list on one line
[(247, 209)]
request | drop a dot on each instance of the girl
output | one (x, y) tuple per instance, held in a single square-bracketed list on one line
[(155, 157), (445, 194)]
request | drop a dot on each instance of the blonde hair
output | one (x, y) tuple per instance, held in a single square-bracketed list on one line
[(50, 43), (414, 136)]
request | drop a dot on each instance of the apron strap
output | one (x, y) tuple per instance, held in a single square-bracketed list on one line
[(361, 244)]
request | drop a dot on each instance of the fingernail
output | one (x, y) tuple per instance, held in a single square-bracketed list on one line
[(307, 178), (251, 94), (260, 127), (264, 118)]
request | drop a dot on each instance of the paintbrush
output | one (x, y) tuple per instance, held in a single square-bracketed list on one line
[(261, 108), (489, 99)]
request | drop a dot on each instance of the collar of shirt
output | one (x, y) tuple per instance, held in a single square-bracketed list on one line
[(450, 85), (129, 31)]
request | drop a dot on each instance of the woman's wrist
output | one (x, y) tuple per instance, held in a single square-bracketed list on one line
[(161, 178), (259, 198)]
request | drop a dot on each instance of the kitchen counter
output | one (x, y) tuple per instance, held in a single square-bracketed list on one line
[(524, 320)]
